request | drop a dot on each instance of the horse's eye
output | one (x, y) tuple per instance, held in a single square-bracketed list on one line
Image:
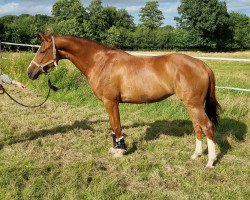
[(42, 51)]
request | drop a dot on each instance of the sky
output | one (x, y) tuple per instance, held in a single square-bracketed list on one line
[(168, 7)]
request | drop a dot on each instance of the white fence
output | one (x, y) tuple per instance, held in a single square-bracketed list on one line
[(199, 57), (23, 45), (16, 44)]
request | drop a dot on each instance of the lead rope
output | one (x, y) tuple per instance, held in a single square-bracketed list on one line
[(3, 91)]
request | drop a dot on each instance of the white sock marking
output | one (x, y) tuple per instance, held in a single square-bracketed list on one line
[(211, 152), (198, 149)]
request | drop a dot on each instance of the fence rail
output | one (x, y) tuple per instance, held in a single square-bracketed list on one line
[(199, 57), (23, 45)]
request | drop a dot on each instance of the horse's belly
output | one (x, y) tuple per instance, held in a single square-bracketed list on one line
[(146, 83), (144, 95)]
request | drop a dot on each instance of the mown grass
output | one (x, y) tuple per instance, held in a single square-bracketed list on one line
[(60, 151)]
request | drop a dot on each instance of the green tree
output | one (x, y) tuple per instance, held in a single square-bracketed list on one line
[(65, 27), (144, 38), (124, 19), (69, 17), (41, 22), (5, 22), (208, 21), (68, 9), (241, 25), (183, 39), (22, 29), (110, 13), (2, 30), (97, 23), (116, 37), (164, 37), (95, 6), (118, 17), (151, 16)]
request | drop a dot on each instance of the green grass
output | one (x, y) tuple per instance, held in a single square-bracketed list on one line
[(60, 151)]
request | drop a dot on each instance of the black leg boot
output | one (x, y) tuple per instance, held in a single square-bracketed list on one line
[(119, 148), (119, 144)]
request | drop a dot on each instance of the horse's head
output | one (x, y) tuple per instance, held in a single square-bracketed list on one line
[(45, 58)]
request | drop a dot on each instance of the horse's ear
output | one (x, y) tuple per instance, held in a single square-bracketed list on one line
[(43, 37)]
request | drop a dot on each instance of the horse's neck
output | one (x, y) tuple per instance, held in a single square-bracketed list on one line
[(80, 52)]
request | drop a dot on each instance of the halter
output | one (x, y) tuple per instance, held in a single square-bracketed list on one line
[(54, 60)]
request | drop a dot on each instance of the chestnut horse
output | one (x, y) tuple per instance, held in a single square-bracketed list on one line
[(118, 77)]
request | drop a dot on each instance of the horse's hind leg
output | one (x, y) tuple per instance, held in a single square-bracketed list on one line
[(198, 142), (202, 123), (210, 143)]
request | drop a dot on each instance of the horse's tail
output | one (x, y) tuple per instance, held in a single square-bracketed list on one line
[(212, 107)]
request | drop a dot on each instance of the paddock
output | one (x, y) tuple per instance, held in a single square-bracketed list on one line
[(58, 144)]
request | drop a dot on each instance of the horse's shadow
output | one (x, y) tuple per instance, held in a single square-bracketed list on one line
[(62, 129), (179, 128), (229, 128)]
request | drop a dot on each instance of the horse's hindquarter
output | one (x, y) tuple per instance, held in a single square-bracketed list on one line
[(191, 78)]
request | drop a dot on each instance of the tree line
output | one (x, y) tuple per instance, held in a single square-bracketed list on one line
[(201, 25)]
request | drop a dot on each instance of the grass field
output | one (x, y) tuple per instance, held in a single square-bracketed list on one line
[(60, 151)]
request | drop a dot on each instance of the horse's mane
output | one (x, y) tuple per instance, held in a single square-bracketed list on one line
[(105, 46)]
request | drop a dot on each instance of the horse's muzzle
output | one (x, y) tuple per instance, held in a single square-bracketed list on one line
[(33, 74)]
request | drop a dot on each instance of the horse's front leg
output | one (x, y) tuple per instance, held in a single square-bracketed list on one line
[(119, 146)]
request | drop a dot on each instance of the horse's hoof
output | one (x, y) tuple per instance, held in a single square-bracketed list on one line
[(116, 152), (210, 164), (195, 155)]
